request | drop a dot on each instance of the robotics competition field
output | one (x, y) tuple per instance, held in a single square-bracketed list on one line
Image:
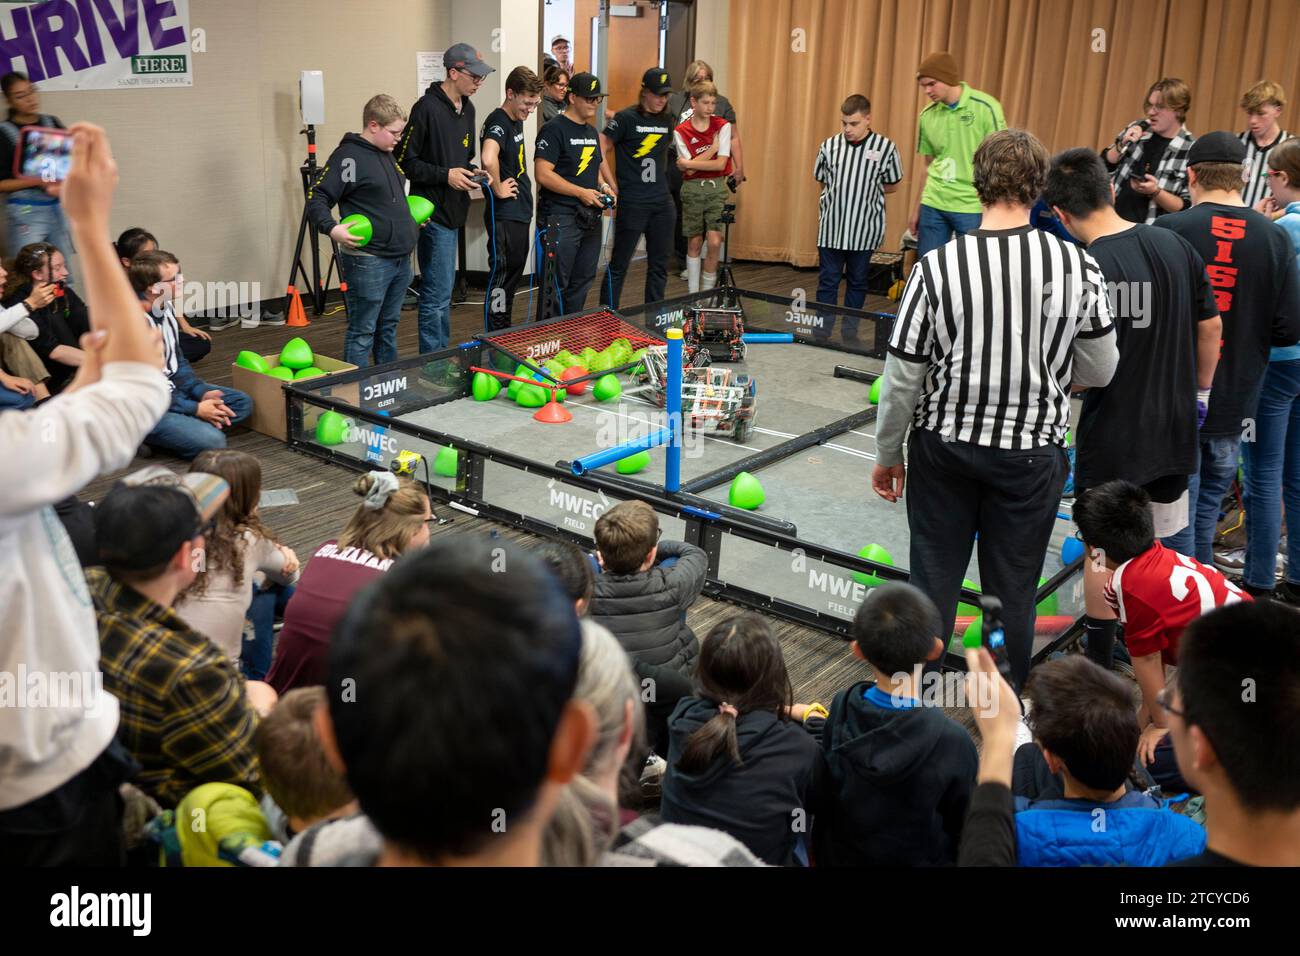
[(793, 413)]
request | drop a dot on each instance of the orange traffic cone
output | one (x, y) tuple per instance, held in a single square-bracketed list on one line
[(297, 314)]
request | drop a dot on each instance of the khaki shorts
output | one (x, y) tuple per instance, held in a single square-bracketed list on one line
[(702, 201), (18, 359)]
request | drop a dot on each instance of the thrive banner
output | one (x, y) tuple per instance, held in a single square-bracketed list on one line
[(98, 44)]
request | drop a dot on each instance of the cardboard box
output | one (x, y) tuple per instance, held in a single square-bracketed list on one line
[(267, 393)]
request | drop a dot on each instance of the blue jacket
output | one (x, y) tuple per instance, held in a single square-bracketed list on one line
[(1135, 830), (187, 388)]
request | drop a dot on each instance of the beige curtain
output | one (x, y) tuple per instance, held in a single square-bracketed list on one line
[(1073, 73)]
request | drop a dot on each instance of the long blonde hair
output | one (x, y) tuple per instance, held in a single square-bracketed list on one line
[(586, 820), (385, 532)]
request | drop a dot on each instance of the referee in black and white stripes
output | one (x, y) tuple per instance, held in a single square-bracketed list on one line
[(856, 168), (993, 330)]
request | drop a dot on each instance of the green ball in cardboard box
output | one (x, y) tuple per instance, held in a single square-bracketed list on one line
[(485, 387), (309, 372), (632, 463), (282, 372), (607, 388), (252, 361), (445, 462), (873, 552), (296, 354), (331, 428)]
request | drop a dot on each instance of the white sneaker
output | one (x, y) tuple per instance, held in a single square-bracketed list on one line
[(682, 275)]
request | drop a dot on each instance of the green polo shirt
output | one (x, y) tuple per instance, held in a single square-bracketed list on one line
[(951, 134)]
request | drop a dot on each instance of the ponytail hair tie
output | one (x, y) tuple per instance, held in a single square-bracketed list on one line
[(725, 708), (382, 486)]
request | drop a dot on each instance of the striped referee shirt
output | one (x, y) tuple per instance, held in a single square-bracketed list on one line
[(852, 205), (994, 314), (1255, 174)]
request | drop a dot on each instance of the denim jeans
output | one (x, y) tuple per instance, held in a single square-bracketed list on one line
[(437, 254), (268, 603), (11, 401), (1272, 471), (30, 223), (632, 220), (1205, 490), (937, 227), (186, 435), (852, 267), (376, 288)]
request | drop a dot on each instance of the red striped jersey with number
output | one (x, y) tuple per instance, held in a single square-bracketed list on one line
[(1158, 593), (697, 142)]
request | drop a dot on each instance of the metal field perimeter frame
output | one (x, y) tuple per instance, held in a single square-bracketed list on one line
[(527, 482)]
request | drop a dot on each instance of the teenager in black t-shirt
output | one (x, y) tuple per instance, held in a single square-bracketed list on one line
[(1142, 427), (509, 211), (572, 176), (1252, 273), (61, 322), (642, 137)]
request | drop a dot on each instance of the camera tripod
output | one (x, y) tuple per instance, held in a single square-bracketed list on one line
[(316, 288)]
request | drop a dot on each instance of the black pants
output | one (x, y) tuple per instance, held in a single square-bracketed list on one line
[(576, 252), (507, 241), (955, 490), (194, 347), (77, 824), (669, 686), (631, 221), (679, 241)]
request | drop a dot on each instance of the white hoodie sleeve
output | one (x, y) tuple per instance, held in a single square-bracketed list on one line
[(53, 451), (18, 321)]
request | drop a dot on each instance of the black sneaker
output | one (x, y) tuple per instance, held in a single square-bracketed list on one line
[(1287, 593), (1266, 594)]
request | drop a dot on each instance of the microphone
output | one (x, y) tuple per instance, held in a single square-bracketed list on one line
[(1123, 148)]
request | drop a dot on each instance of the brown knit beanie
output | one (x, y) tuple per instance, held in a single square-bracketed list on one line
[(940, 66)]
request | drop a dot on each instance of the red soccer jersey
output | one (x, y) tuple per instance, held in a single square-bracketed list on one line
[(699, 142), (1158, 593)]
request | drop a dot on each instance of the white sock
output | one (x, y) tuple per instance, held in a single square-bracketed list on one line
[(692, 274), (710, 279)]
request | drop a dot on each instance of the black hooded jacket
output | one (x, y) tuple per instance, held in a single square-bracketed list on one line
[(899, 783), (437, 139), (765, 802), (359, 177)]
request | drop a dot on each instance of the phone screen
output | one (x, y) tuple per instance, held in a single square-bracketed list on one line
[(44, 154)]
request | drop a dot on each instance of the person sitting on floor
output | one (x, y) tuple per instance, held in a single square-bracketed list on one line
[(642, 596), (392, 519), (195, 343), (200, 414), (38, 281), (1085, 730)]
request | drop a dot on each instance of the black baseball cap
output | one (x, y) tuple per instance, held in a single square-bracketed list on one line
[(1217, 147), (150, 513), (462, 56), (656, 81), (586, 85)]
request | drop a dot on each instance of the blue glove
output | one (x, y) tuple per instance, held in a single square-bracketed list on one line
[(1202, 405)]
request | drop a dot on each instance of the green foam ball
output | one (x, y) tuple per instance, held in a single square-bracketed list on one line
[(331, 428), (485, 387), (360, 227), (310, 372), (633, 463), (607, 388), (1048, 605), (252, 361), (873, 396), (531, 396), (746, 492), (282, 372), (873, 552), (421, 209), (968, 610), (296, 354), (973, 634), (513, 387), (445, 462)]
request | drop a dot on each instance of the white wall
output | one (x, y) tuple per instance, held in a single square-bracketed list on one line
[(712, 21)]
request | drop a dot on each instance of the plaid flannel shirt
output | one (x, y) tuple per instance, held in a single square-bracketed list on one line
[(1171, 175), (184, 713)]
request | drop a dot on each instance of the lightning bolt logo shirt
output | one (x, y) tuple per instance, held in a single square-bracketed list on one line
[(574, 149), (508, 134), (641, 150)]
